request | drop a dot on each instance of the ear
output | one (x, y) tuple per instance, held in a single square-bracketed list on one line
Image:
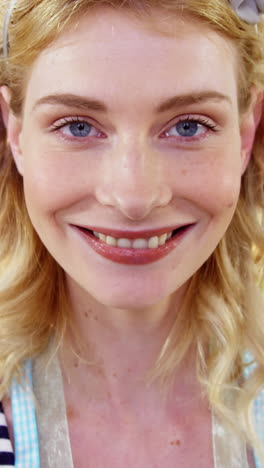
[(249, 125), (13, 127)]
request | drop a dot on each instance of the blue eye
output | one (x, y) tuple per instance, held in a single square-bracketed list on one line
[(191, 127), (80, 129), (187, 128), (74, 127)]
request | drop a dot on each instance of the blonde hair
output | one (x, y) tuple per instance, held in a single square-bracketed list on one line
[(222, 316)]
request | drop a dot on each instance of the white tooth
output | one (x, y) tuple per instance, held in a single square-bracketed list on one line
[(111, 241), (162, 239), (102, 237), (169, 235), (140, 244), (96, 234), (153, 242), (126, 243)]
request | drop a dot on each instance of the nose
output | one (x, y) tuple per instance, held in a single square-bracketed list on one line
[(133, 181)]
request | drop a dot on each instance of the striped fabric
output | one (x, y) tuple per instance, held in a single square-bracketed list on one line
[(7, 458)]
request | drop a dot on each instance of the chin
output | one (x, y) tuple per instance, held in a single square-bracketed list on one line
[(128, 302), (128, 296)]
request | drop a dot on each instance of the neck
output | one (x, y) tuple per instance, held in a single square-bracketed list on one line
[(119, 347)]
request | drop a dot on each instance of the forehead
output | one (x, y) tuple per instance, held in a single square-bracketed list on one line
[(111, 54)]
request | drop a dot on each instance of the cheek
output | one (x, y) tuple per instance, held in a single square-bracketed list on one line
[(213, 182), (219, 192), (54, 180)]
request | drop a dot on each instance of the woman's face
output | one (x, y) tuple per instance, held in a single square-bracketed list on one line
[(132, 133)]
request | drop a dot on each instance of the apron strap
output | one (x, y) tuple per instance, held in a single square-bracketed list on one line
[(54, 441)]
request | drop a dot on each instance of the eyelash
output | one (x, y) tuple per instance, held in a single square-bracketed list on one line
[(199, 120), (67, 121), (208, 124), (71, 120)]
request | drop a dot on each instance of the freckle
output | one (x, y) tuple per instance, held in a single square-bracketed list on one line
[(230, 204), (86, 314), (109, 394), (114, 375), (176, 442), (70, 412), (76, 364)]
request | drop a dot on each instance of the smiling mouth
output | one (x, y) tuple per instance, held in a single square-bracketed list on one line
[(133, 248), (151, 242)]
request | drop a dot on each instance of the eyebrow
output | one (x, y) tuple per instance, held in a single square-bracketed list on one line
[(86, 103), (72, 100), (191, 99)]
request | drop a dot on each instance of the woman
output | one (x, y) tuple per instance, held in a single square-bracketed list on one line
[(131, 232)]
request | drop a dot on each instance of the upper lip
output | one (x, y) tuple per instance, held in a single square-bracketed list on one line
[(127, 234)]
